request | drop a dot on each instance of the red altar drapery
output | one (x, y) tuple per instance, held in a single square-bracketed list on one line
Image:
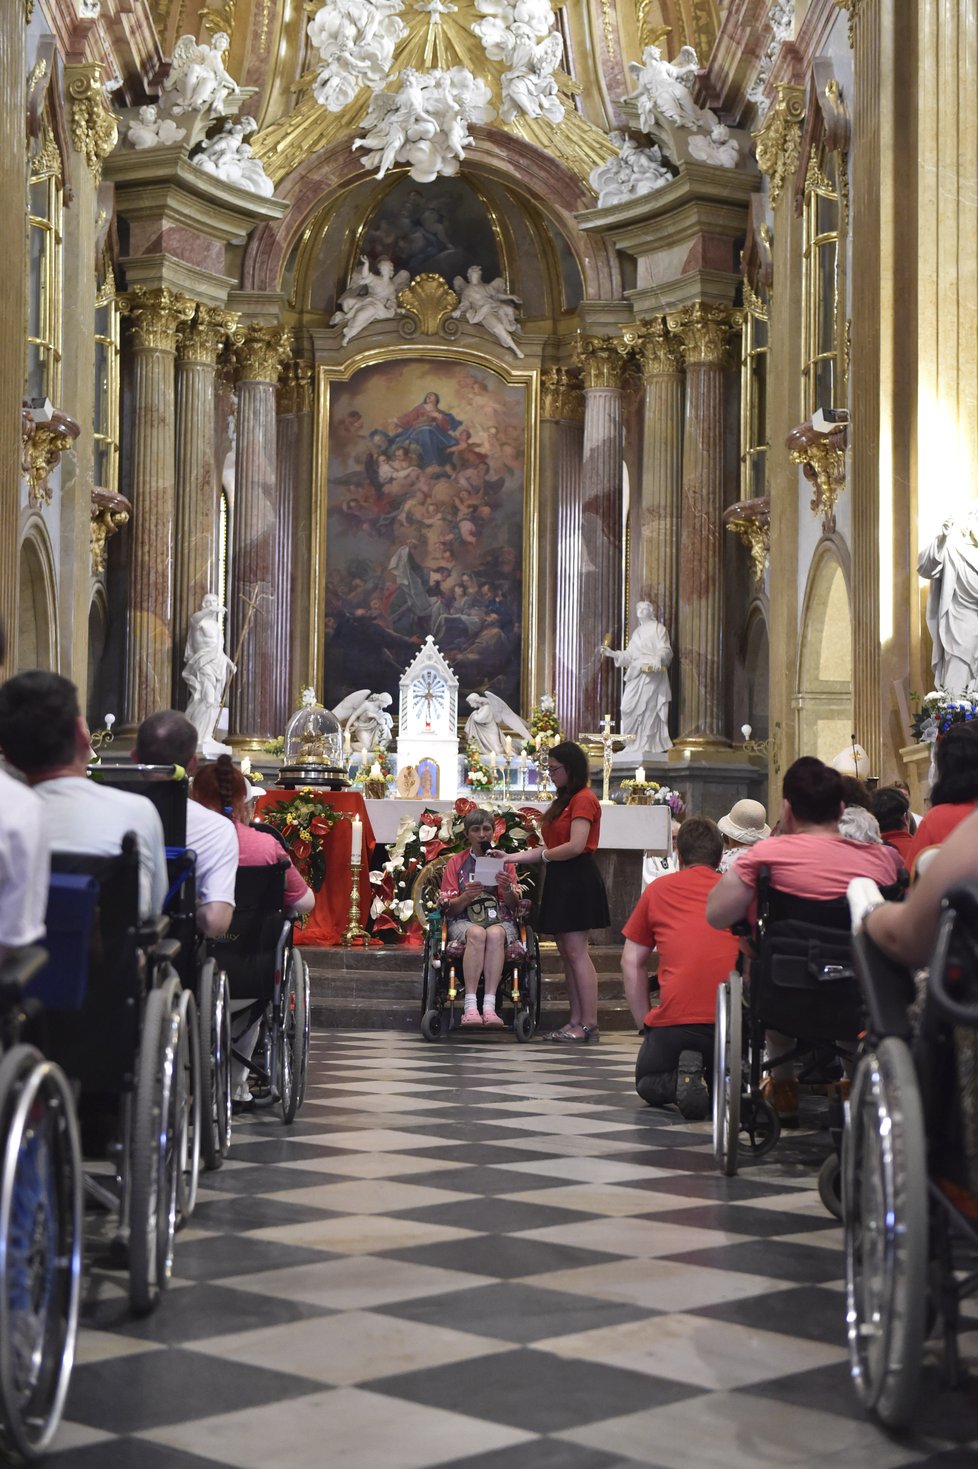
[(327, 922)]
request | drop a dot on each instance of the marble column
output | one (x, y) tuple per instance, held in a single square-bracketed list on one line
[(255, 579), (704, 330), (661, 358), (601, 564), (13, 303), (156, 315), (562, 428), (294, 404)]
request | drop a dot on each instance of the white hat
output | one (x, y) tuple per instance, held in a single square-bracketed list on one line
[(745, 822), (853, 760), (252, 792)]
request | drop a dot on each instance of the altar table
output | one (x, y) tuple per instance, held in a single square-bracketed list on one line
[(326, 924), (623, 828)]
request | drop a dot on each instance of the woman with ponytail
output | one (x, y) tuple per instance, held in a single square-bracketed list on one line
[(221, 787)]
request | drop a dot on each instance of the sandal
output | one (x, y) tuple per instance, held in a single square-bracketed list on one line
[(556, 1035), (589, 1034)]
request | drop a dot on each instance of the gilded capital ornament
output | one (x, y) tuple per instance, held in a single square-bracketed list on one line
[(110, 512), (157, 313), (779, 140), (822, 457), (261, 351), (94, 130), (202, 338), (561, 397), (43, 444), (600, 359), (295, 387), (659, 353), (704, 330), (751, 521)]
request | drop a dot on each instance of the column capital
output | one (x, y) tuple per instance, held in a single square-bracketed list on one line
[(779, 140), (94, 130), (295, 387), (560, 394), (704, 329), (202, 338), (659, 353), (600, 359), (156, 313), (261, 351)]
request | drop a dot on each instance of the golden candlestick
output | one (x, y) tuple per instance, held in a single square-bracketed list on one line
[(354, 932)]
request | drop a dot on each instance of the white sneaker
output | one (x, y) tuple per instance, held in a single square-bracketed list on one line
[(241, 1094)]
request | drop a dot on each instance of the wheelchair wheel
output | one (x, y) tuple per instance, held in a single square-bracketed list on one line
[(153, 1191), (307, 1026), (432, 1024), (293, 1026), (188, 1077), (524, 1025), (830, 1185), (40, 1250), (728, 1067), (885, 1217), (759, 1124), (214, 1019)]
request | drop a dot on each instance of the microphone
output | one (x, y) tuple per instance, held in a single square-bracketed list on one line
[(855, 757)]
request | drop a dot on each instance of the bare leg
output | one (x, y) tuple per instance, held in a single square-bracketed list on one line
[(495, 951), (582, 979), (473, 959)]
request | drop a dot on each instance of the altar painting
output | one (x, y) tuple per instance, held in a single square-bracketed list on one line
[(425, 479)]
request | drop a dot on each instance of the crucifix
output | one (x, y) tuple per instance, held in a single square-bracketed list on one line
[(608, 741)]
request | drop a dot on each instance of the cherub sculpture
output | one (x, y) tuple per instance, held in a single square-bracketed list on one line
[(369, 298), (229, 158), (198, 80), (634, 172), (425, 123), (364, 717), (488, 305), (355, 40), (530, 87), (719, 148), (150, 130)]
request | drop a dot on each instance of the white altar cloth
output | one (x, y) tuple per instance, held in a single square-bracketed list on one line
[(623, 828)]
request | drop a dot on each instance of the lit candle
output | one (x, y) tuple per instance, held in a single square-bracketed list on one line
[(347, 743), (356, 842), (509, 747), (687, 756), (246, 766), (640, 776), (375, 771), (492, 761)]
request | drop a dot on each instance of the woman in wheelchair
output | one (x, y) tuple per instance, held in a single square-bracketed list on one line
[(481, 920)]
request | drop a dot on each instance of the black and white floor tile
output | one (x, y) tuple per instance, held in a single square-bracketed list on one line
[(494, 1256)]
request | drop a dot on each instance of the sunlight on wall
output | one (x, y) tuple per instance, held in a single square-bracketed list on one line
[(946, 468)]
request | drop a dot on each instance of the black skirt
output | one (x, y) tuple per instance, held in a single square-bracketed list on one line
[(574, 898)]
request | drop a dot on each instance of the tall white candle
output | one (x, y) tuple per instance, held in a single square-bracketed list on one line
[(375, 771), (246, 766), (356, 841), (492, 761), (347, 743), (640, 775), (509, 747)]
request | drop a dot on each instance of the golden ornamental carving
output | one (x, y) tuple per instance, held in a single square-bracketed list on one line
[(853, 7), (218, 18), (779, 140), (110, 512), (94, 130), (295, 387), (157, 313), (261, 351), (659, 353), (751, 521), (753, 302), (561, 395), (430, 300), (650, 34), (705, 329), (822, 457), (600, 359), (46, 162), (43, 445), (202, 339)]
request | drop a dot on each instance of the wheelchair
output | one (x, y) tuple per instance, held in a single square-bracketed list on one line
[(40, 1226), (803, 984), (264, 967), (910, 1162), (116, 1020), (442, 987)]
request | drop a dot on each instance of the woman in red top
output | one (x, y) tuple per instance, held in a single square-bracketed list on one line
[(574, 900), (955, 791)]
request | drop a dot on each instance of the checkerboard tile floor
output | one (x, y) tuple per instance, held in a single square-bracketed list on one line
[(494, 1256)]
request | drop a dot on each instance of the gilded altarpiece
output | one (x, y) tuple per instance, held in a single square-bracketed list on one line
[(425, 505)]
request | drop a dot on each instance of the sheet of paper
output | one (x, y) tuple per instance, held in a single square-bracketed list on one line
[(487, 870)]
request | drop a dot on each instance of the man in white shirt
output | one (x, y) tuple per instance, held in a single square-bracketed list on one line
[(169, 738), (23, 860), (43, 734)]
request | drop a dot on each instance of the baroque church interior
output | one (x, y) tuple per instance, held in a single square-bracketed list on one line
[(493, 321)]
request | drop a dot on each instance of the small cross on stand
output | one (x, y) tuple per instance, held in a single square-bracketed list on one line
[(609, 742)]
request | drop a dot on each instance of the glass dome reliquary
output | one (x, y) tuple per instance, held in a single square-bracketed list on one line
[(313, 747)]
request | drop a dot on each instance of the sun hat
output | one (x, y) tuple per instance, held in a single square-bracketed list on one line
[(252, 792), (745, 822)]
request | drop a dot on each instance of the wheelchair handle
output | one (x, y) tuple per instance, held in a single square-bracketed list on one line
[(953, 1009), (863, 895)]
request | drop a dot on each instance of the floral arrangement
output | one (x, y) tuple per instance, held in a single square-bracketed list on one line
[(274, 747), (545, 731), (376, 757), (304, 821), (420, 842), (660, 795), (479, 776), (938, 711)]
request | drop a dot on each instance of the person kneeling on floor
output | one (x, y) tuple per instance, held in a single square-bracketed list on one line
[(670, 916)]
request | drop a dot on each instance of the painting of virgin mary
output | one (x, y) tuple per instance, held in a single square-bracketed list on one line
[(429, 429)]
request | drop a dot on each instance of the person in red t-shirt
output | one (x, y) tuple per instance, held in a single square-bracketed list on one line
[(694, 959), (892, 810), (955, 792)]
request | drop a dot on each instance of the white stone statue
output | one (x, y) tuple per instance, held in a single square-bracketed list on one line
[(781, 19), (510, 22), (646, 698), (719, 148), (198, 80), (529, 87), (636, 171), (665, 90), (369, 297), (355, 40), (489, 305), (150, 130), (207, 667), (490, 716), (229, 158), (951, 562), (364, 718), (425, 123)]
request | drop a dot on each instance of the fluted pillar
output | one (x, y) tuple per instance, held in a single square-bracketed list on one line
[(255, 580), (704, 330), (199, 344), (156, 314), (13, 303), (601, 567), (294, 410), (562, 434), (661, 358)]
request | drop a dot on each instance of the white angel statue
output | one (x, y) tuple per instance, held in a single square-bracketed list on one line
[(369, 297), (229, 158), (488, 305), (490, 716), (719, 148), (425, 123), (355, 40), (634, 172), (149, 130), (530, 87), (665, 90), (364, 718), (198, 80)]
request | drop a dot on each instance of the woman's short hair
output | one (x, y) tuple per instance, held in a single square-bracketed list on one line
[(476, 817)]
